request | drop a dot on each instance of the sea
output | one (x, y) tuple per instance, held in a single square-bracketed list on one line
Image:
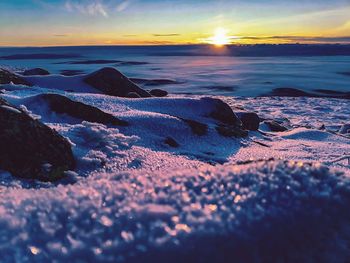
[(209, 70)]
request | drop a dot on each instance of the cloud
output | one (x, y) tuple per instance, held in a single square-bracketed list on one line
[(166, 35), (123, 5), (92, 7), (342, 39), (60, 35)]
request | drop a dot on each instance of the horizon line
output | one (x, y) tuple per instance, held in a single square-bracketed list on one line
[(178, 44)]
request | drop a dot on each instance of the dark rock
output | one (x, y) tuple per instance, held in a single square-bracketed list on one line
[(71, 72), (325, 93), (30, 149), (322, 127), (345, 129), (133, 95), (63, 105), (132, 63), (197, 128), (6, 77), (36, 72), (317, 93), (171, 142), (222, 112), (231, 131), (158, 93), (111, 82), (97, 61), (346, 73), (275, 126), (289, 92), (250, 120), (154, 82)]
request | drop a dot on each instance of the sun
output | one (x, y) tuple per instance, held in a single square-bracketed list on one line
[(220, 37)]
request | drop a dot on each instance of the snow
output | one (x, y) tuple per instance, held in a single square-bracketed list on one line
[(222, 213), (133, 198)]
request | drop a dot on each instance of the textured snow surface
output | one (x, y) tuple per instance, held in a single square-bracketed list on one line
[(262, 212), (133, 198)]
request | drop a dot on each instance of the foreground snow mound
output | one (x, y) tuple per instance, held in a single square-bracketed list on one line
[(259, 212)]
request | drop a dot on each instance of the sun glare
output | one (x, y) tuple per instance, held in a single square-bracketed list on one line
[(220, 37)]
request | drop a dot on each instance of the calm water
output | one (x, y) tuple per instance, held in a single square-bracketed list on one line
[(199, 74)]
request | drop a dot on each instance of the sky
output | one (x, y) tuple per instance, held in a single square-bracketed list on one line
[(165, 22)]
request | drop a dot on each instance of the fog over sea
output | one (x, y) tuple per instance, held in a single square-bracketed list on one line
[(228, 71)]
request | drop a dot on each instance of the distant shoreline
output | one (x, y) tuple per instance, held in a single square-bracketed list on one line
[(256, 50)]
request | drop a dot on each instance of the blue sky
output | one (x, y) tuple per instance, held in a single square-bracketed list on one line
[(89, 22)]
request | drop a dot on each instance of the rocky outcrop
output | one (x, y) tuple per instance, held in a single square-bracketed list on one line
[(63, 105), (158, 93), (275, 126), (317, 93), (154, 82), (171, 142), (7, 77), (231, 131), (222, 112), (228, 124), (197, 128), (36, 72), (111, 82), (30, 149), (133, 95), (250, 120)]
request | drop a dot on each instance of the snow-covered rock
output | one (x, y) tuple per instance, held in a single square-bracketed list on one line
[(28, 147)]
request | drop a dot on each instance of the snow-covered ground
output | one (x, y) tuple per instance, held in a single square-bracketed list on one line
[(134, 198)]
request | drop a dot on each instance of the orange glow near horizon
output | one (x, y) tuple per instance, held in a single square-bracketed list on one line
[(220, 38)]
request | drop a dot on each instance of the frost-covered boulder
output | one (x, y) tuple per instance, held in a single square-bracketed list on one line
[(7, 77), (111, 82), (63, 105), (36, 72), (30, 149)]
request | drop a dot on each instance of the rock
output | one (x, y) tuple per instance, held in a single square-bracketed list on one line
[(36, 72), (171, 142), (222, 112), (133, 95), (158, 93), (155, 82), (345, 129), (289, 92), (231, 131), (71, 72), (63, 105), (317, 93), (250, 120), (322, 127), (6, 77), (275, 126), (30, 149), (197, 128), (111, 82)]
